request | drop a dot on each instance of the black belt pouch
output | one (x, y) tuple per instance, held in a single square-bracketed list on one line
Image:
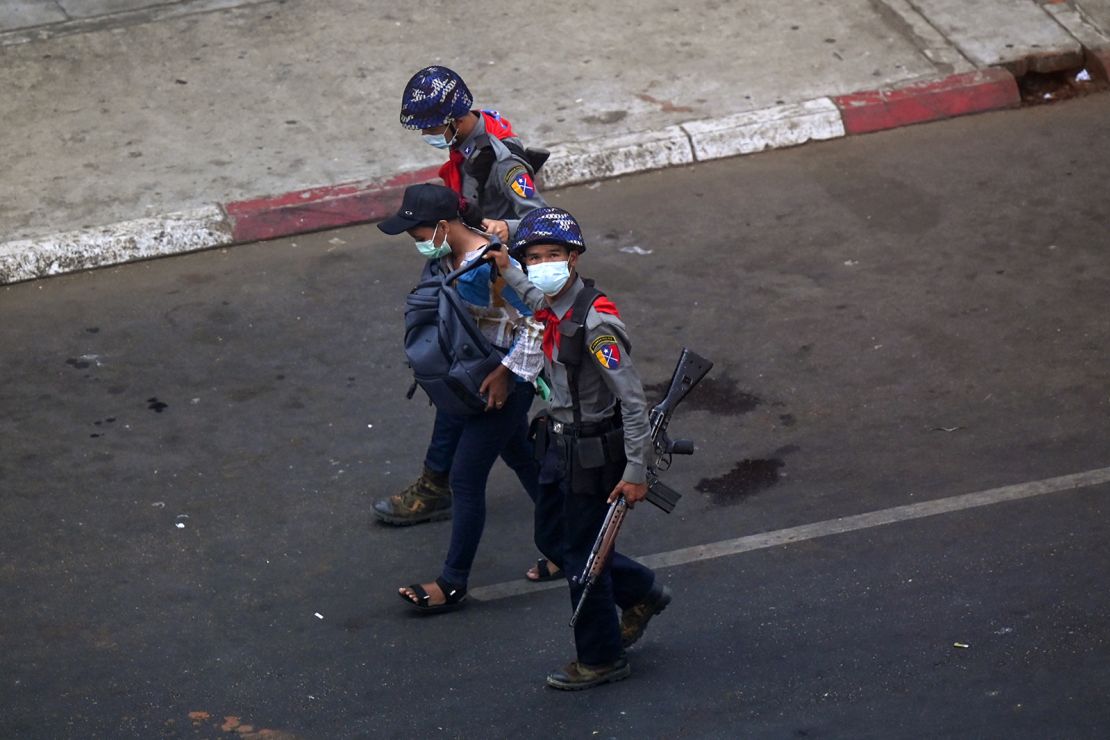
[(597, 463)]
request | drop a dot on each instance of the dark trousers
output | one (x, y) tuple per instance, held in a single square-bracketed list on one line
[(447, 431), (567, 524), (481, 438)]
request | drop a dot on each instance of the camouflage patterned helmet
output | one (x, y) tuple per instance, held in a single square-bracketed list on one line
[(434, 96), (548, 225)]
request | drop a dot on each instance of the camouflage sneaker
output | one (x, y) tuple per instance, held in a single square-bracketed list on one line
[(634, 619), (423, 501)]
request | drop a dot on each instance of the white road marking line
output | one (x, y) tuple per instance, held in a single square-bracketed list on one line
[(825, 528)]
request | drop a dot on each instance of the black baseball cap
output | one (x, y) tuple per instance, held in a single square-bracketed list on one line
[(422, 204)]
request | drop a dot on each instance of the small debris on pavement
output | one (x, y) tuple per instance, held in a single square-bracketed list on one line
[(180, 525), (636, 250), (960, 645), (319, 615), (946, 429)]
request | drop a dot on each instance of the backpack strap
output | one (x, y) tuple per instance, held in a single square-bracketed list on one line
[(494, 245), (572, 343)]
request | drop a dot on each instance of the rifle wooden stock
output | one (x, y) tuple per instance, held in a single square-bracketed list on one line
[(600, 552)]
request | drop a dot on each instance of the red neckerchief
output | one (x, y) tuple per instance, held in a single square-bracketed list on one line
[(551, 323), (451, 171)]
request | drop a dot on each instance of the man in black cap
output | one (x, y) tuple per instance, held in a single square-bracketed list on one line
[(430, 215), (492, 173)]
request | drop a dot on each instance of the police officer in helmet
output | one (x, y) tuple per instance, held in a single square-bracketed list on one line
[(595, 443), (489, 166)]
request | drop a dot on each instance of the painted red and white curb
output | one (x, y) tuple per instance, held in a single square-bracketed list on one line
[(347, 204)]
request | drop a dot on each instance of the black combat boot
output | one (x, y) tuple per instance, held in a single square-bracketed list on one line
[(577, 676), (634, 619)]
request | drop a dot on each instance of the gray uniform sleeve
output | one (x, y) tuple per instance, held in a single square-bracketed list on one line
[(518, 188), (524, 288), (608, 347)]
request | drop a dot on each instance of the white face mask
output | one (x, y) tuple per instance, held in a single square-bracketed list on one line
[(550, 277), (440, 141), (429, 249)]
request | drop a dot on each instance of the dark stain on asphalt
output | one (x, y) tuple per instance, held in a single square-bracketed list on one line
[(748, 478), (354, 624), (197, 278), (241, 395), (92, 329), (155, 405), (79, 364), (715, 394)]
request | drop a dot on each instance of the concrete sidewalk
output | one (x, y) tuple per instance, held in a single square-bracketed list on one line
[(209, 122)]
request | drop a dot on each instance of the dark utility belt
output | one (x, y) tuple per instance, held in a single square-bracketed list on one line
[(585, 429)]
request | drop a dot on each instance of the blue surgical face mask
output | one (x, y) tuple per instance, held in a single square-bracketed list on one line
[(550, 277), (429, 249), (439, 141)]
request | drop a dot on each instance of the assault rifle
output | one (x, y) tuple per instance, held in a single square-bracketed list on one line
[(689, 371)]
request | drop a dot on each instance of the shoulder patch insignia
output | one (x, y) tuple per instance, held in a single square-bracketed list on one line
[(520, 181), (609, 356), (604, 339)]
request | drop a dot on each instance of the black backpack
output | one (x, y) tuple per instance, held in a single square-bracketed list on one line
[(448, 355)]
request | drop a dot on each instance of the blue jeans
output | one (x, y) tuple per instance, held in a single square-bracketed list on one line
[(480, 440), (566, 526), (447, 432)]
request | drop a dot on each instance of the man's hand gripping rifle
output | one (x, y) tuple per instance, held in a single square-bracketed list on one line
[(689, 371)]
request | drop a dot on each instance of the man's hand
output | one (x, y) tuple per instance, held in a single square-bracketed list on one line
[(632, 492), (500, 258), (500, 229), (496, 388)]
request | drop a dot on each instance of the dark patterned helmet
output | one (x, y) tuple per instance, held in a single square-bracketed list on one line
[(434, 96), (547, 225)]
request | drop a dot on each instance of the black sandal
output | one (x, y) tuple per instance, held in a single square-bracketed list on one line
[(456, 598), (544, 572)]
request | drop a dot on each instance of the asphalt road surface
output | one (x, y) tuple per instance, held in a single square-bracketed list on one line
[(189, 448)]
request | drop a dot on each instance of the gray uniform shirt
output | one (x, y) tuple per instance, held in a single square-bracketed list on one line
[(510, 191), (606, 374)]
